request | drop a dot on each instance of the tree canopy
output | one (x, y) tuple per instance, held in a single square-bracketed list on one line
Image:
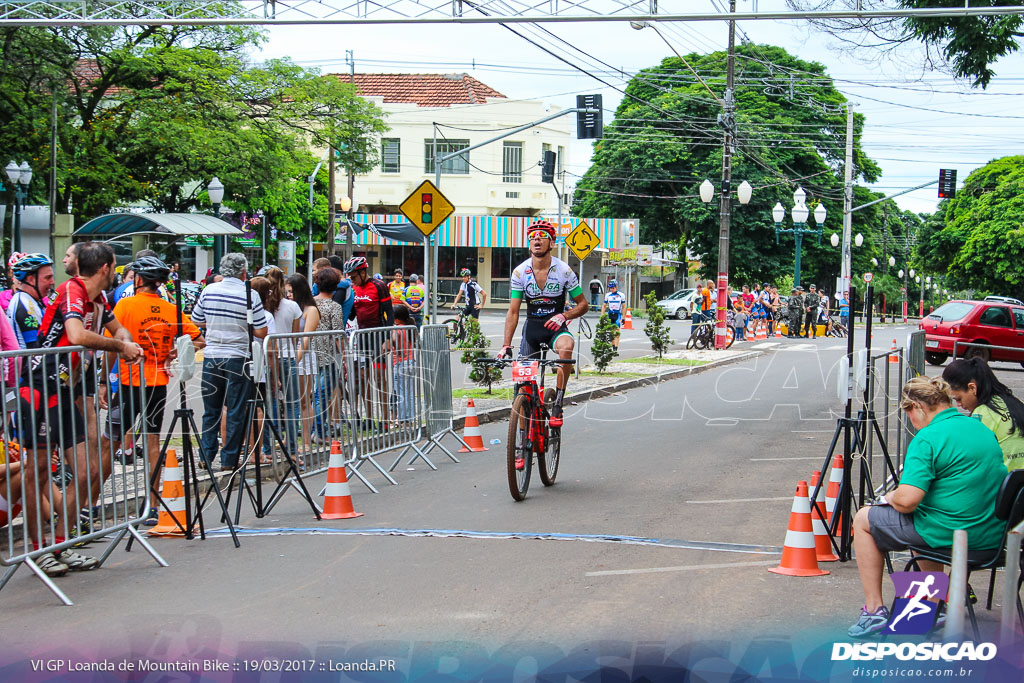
[(977, 237), (968, 45), (148, 115), (665, 141)]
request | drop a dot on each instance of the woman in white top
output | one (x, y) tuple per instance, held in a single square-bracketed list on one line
[(283, 377), (305, 359)]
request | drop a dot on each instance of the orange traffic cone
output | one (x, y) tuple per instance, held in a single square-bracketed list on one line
[(799, 557), (778, 330), (171, 523), (730, 335), (835, 481), (627, 323), (762, 330), (894, 356), (822, 544), (471, 433), (337, 497)]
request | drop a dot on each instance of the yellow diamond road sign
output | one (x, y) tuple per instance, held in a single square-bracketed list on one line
[(582, 240), (426, 207)]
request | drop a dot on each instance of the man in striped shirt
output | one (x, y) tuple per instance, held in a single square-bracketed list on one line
[(221, 312)]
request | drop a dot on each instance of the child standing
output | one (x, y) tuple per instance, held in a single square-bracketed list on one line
[(739, 320)]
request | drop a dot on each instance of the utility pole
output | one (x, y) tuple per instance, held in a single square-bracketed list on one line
[(846, 268), (885, 239), (330, 201), (729, 125)]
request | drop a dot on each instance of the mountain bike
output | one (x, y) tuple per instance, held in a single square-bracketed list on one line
[(457, 327), (529, 431), (702, 335)]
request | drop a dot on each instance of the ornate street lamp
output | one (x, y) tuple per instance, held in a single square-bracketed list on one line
[(799, 229)]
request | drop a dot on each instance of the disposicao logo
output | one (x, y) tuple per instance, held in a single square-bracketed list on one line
[(917, 601)]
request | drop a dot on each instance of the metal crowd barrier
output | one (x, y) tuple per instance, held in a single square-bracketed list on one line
[(882, 400), (62, 484), (437, 382), (364, 390)]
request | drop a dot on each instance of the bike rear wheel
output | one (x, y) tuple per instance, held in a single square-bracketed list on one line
[(519, 446), (456, 330), (547, 462)]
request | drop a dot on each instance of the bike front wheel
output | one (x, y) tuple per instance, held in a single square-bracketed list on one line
[(456, 330), (519, 447), (547, 462)]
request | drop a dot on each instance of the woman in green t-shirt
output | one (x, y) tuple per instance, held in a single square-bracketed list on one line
[(977, 390)]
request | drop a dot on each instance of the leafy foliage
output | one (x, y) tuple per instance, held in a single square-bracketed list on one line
[(475, 347), (602, 349), (664, 141), (656, 329)]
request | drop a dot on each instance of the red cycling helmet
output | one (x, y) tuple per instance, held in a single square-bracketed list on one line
[(544, 226), (355, 263)]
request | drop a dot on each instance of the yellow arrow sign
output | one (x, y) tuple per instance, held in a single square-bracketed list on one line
[(426, 208), (582, 240)]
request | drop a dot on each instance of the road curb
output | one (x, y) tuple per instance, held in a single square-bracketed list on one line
[(501, 412)]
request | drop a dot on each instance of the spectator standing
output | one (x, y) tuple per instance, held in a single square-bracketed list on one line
[(403, 347), (811, 301), (774, 305), (397, 288), (844, 310), (305, 359), (796, 312), (823, 307), (287, 320), (12, 281), (951, 475), (222, 312), (595, 291), (739, 321), (475, 295), (415, 297), (748, 298), (71, 259), (328, 351), (343, 295), (153, 324), (707, 302), (975, 387)]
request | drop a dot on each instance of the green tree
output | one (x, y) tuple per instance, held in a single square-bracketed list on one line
[(968, 45), (603, 350), (663, 143), (977, 237), (656, 329), (474, 348)]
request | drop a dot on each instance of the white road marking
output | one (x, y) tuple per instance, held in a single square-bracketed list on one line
[(739, 500), (798, 347), (811, 457), (766, 345), (684, 568)]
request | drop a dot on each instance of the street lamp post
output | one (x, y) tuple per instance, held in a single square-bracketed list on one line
[(20, 177), (216, 191), (799, 229), (707, 193)]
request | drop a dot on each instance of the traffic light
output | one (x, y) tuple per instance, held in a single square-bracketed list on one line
[(428, 208), (547, 171), (947, 183), (589, 126)]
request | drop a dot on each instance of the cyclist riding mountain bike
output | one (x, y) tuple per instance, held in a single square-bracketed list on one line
[(475, 295), (34, 273), (543, 281), (614, 303)]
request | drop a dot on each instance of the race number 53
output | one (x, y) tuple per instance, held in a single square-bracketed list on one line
[(524, 371)]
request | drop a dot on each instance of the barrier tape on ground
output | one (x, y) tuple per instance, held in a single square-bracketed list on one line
[(77, 457)]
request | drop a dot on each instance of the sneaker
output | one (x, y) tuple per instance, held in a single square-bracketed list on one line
[(50, 565), (76, 562), (152, 519), (869, 622)]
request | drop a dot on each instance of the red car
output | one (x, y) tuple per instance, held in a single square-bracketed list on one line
[(979, 322)]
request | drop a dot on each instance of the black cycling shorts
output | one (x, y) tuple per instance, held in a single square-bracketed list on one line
[(60, 426), (535, 334), (130, 399)]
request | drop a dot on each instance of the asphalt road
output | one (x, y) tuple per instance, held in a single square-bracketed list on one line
[(646, 537)]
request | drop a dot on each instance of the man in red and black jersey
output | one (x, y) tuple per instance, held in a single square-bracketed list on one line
[(52, 384), (372, 308)]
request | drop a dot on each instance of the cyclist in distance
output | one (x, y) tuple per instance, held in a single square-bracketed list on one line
[(543, 281)]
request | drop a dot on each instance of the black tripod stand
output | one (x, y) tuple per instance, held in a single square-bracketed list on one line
[(257, 369), (183, 416)]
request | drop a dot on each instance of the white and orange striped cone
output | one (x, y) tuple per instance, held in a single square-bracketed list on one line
[(171, 523), (822, 544), (471, 433), (778, 330), (337, 496), (730, 335), (799, 557), (894, 356), (835, 481), (627, 322), (762, 330)]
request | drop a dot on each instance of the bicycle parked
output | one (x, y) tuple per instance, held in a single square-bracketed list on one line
[(529, 432), (702, 335), (834, 328), (457, 326)]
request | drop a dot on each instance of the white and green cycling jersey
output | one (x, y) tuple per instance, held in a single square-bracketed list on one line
[(542, 304)]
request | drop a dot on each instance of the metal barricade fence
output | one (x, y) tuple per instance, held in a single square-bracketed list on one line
[(884, 422), (1011, 616), (66, 415), (437, 382)]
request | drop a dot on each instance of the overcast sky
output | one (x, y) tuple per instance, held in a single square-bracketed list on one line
[(917, 122)]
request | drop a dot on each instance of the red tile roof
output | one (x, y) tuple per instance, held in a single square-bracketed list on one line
[(424, 90)]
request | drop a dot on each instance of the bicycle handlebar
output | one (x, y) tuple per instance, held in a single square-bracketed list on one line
[(508, 361)]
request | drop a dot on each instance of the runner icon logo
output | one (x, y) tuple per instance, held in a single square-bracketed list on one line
[(917, 601)]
